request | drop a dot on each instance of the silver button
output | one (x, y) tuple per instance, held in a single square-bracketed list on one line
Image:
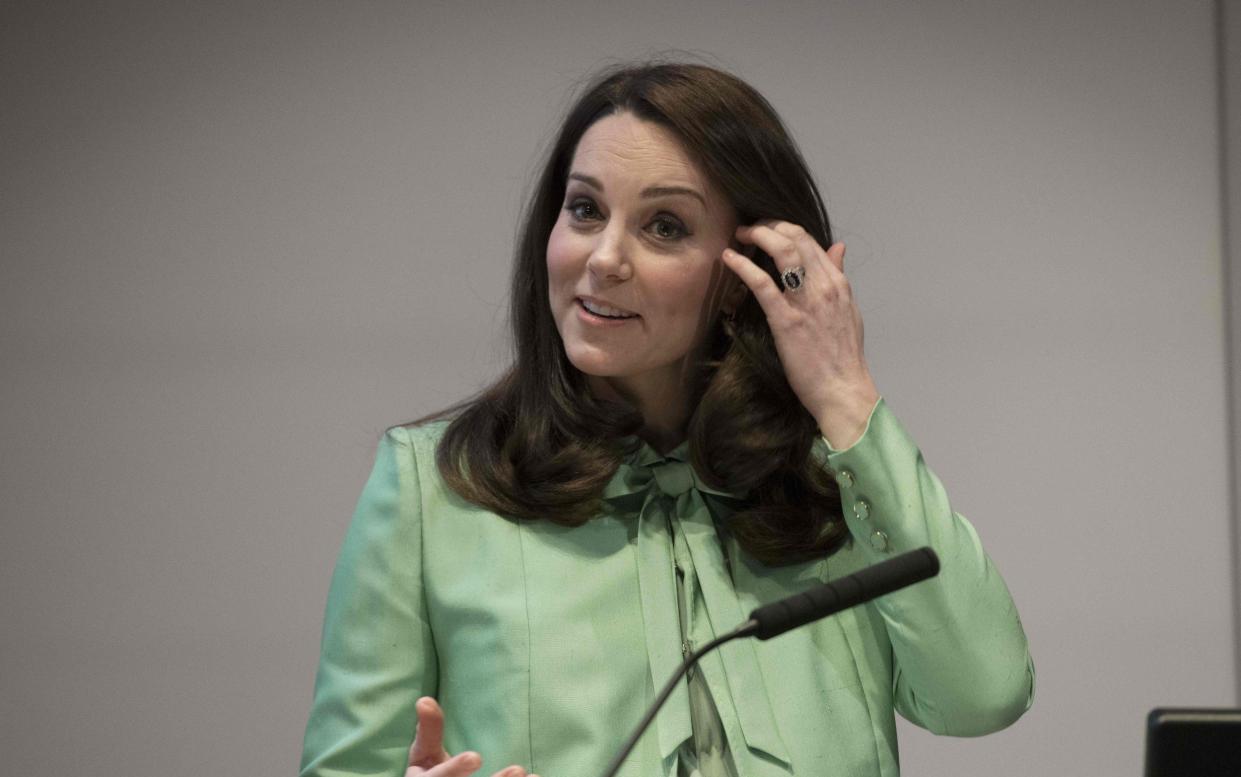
[(879, 541), (845, 478), (861, 509)]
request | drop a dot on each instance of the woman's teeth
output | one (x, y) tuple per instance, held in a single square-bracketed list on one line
[(605, 311)]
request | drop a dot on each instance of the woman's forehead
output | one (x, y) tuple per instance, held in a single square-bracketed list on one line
[(622, 144)]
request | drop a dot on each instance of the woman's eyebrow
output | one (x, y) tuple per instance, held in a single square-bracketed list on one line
[(648, 192)]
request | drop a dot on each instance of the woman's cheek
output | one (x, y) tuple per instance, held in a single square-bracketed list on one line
[(560, 254)]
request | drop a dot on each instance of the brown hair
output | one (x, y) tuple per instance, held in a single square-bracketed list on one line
[(538, 444)]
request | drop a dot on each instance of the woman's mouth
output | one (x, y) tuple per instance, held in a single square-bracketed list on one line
[(599, 310)]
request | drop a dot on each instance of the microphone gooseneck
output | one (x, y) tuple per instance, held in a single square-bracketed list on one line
[(671, 685)]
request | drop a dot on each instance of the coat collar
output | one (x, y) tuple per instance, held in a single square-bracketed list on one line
[(671, 473)]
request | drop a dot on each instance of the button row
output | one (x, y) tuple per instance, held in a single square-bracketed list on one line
[(861, 510)]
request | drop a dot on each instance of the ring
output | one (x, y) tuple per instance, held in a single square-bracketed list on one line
[(793, 278)]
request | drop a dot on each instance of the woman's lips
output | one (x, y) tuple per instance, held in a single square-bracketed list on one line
[(598, 320), (606, 309)]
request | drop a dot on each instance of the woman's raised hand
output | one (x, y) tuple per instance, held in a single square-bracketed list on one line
[(817, 327), (427, 756)]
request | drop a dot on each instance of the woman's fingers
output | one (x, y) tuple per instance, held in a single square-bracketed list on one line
[(789, 245), (513, 771), (754, 277), (464, 765), (427, 756), (460, 765), (428, 748), (783, 249), (837, 256)]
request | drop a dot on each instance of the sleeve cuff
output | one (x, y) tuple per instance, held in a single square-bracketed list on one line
[(858, 441), (881, 479)]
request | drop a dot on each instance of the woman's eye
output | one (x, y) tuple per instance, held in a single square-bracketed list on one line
[(577, 206), (668, 228)]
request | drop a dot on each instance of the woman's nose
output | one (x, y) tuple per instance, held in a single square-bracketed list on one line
[(608, 259)]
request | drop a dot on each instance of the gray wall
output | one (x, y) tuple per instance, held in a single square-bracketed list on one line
[(1228, 31), (237, 242)]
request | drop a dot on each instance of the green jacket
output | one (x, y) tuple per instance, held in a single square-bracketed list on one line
[(545, 644)]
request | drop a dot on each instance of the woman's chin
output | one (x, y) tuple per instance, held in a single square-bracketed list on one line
[(597, 368), (593, 361)]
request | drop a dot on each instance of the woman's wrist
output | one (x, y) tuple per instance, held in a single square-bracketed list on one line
[(844, 421)]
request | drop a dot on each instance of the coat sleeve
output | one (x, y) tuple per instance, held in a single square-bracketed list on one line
[(961, 663), (376, 653)]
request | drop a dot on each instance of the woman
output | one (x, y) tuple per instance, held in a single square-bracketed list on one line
[(689, 430)]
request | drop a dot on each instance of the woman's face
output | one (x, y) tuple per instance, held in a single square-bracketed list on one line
[(638, 241)]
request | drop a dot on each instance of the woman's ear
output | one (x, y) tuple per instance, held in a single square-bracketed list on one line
[(735, 288), (734, 296), (745, 249)]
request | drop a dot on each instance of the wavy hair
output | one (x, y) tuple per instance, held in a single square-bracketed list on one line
[(537, 444)]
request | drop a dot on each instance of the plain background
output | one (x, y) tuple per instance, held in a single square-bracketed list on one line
[(239, 240)]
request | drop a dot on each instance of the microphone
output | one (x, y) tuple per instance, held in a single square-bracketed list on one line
[(885, 577), (774, 619)]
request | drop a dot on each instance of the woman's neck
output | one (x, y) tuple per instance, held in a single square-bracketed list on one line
[(663, 405)]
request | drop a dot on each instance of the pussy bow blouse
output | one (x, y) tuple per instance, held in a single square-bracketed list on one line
[(545, 644)]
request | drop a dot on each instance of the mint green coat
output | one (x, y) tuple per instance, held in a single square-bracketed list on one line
[(545, 644)]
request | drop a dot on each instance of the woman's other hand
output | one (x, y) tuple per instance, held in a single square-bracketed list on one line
[(817, 327), (427, 756)]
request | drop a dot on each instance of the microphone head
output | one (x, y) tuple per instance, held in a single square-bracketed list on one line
[(840, 594), (930, 560)]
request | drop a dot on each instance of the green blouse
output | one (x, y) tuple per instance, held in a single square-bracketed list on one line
[(545, 644)]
